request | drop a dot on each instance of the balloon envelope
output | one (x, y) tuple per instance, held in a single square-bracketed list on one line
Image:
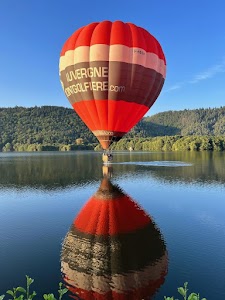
[(112, 73)]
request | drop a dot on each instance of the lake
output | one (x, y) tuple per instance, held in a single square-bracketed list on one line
[(158, 221)]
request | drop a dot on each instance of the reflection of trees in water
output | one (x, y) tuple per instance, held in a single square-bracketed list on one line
[(61, 170), (206, 167), (113, 249), (49, 171)]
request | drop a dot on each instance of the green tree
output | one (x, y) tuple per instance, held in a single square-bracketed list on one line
[(7, 147)]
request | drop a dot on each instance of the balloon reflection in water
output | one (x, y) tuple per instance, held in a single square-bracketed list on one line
[(113, 249)]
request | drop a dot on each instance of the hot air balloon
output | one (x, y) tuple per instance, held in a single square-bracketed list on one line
[(113, 250), (112, 73)]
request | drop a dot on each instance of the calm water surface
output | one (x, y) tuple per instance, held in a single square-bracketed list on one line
[(162, 222)]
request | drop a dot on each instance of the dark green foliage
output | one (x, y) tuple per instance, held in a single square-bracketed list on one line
[(51, 128), (172, 143), (209, 121), (41, 129)]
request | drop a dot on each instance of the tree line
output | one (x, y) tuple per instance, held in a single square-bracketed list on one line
[(52, 128), (42, 129), (209, 121), (172, 143)]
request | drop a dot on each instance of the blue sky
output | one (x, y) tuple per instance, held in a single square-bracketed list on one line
[(192, 35)]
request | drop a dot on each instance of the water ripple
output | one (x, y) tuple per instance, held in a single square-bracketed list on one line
[(157, 163)]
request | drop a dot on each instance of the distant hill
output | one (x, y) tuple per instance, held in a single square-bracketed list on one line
[(46, 125), (199, 122), (52, 125)]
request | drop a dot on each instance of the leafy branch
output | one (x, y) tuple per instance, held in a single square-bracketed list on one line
[(20, 293), (183, 291)]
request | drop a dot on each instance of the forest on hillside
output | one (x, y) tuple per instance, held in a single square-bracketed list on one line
[(199, 122), (58, 128)]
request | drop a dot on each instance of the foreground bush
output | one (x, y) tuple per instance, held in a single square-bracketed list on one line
[(21, 293), (183, 291), (26, 294)]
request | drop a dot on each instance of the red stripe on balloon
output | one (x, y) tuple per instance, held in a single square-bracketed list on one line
[(71, 42), (112, 115), (112, 33)]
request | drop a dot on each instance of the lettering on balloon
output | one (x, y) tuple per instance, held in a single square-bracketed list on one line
[(139, 51), (87, 73), (97, 80), (84, 87)]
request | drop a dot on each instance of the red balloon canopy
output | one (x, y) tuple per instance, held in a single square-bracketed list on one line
[(112, 73)]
